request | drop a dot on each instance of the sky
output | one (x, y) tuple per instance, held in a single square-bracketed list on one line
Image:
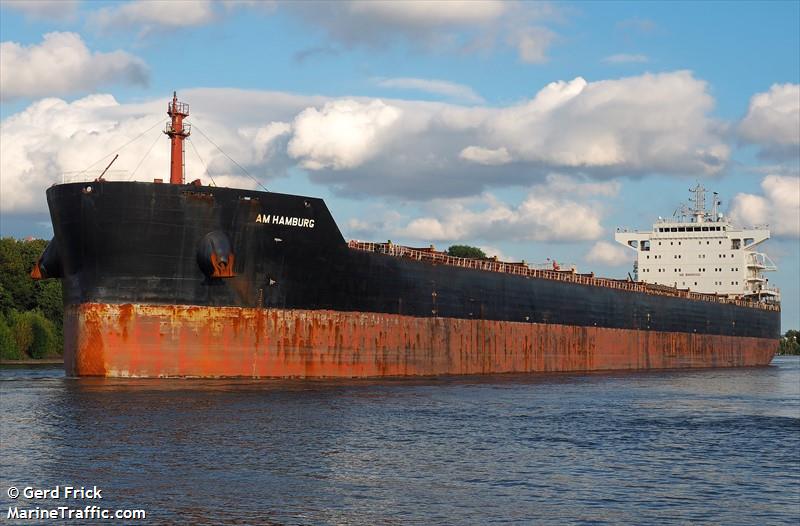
[(530, 129)]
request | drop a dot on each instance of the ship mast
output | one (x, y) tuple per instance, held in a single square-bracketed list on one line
[(699, 200), (177, 131)]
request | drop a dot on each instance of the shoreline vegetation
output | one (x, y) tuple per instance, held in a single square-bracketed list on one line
[(790, 344), (32, 312)]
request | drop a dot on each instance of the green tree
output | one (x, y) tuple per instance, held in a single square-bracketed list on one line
[(22, 327), (8, 345), (17, 258), (48, 301), (6, 301), (466, 251), (790, 343), (44, 341), (32, 311)]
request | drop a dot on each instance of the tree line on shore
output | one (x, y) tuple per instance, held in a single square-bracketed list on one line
[(790, 343), (31, 312)]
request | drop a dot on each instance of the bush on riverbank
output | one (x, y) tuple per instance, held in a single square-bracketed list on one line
[(28, 335), (8, 344), (789, 343), (31, 312)]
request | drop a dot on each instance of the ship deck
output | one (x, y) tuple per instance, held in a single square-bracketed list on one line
[(522, 269)]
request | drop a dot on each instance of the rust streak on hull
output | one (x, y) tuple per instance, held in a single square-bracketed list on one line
[(191, 341)]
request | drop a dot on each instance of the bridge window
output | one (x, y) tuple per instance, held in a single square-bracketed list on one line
[(736, 244)]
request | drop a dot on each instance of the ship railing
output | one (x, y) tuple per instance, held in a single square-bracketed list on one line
[(568, 276), (92, 175)]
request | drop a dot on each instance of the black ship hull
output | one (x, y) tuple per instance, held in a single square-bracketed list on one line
[(183, 280)]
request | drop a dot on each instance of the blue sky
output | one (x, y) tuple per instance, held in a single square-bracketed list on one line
[(426, 121)]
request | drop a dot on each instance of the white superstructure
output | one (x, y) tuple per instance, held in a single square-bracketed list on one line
[(702, 251)]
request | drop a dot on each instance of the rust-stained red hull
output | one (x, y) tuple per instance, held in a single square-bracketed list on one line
[(193, 341)]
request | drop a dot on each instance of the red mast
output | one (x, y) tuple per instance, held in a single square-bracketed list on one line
[(177, 132)]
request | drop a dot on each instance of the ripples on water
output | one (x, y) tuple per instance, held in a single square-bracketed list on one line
[(709, 446)]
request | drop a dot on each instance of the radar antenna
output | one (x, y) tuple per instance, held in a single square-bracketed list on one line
[(699, 201)]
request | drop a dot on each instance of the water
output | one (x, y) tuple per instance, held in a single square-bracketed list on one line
[(708, 446)]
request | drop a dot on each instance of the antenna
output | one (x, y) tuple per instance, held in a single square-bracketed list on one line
[(699, 200)]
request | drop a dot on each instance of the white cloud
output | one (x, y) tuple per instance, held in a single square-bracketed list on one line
[(452, 90), (577, 127), (773, 121), (440, 25), (460, 26), (266, 140), (61, 65), (545, 214), (343, 134), (779, 206), (532, 44), (376, 222), (44, 9), (599, 124), (53, 138), (149, 15), (538, 218), (625, 58), (609, 254), (568, 186), (486, 156), (429, 12), (406, 149), (494, 252), (266, 6)]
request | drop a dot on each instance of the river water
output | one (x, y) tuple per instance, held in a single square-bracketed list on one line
[(676, 447)]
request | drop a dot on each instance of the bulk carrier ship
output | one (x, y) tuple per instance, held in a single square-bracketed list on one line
[(185, 280)]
